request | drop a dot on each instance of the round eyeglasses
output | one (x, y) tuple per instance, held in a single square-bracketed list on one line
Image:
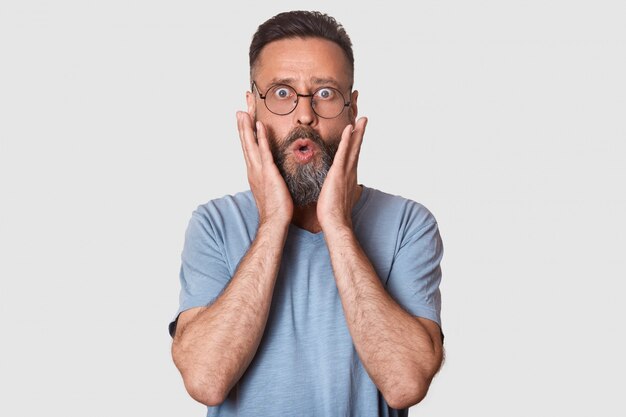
[(282, 99)]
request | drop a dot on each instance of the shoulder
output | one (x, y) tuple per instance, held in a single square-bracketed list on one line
[(242, 202), (218, 216), (409, 213)]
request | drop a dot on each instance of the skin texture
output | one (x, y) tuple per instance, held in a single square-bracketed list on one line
[(214, 345)]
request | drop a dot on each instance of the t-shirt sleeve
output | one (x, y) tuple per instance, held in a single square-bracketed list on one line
[(415, 274), (204, 272)]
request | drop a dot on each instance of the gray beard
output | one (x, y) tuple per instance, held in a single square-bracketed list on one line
[(304, 181)]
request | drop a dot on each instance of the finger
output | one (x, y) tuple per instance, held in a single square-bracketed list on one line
[(344, 144), (264, 147), (241, 139), (357, 141), (249, 139)]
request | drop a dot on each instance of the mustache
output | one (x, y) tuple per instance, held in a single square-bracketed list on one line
[(302, 132)]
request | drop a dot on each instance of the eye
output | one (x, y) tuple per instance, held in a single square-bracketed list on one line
[(282, 93), (326, 93)]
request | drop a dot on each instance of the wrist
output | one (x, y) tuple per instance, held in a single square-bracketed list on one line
[(273, 226), (337, 230)]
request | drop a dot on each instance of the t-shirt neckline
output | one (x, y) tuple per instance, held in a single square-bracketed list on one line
[(305, 234)]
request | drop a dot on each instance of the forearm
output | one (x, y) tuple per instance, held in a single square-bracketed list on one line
[(395, 348), (214, 349)]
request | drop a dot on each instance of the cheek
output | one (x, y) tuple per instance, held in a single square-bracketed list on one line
[(274, 133), (274, 129), (335, 132)]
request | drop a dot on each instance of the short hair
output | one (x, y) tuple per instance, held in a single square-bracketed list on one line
[(300, 24)]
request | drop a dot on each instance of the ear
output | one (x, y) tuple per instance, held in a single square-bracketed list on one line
[(250, 100), (353, 109)]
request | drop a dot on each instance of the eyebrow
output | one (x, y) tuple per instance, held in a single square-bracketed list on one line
[(315, 80), (325, 81)]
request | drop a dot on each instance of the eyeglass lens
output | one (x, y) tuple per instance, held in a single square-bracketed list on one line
[(327, 102)]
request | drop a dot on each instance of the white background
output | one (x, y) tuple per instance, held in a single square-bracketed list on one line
[(504, 118)]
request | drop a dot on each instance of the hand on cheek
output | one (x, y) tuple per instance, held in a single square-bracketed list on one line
[(267, 185), (334, 207)]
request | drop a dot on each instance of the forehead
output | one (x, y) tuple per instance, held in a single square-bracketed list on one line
[(305, 61)]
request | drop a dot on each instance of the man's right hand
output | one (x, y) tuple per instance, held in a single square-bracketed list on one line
[(270, 192), (215, 344)]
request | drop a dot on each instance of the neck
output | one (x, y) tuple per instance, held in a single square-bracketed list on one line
[(305, 217)]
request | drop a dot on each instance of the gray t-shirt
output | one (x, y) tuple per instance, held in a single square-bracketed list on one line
[(306, 364)]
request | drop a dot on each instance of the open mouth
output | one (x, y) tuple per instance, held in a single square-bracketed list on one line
[(304, 150)]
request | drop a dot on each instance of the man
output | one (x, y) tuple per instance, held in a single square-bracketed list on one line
[(308, 295)]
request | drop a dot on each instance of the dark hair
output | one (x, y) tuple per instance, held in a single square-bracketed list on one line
[(300, 24)]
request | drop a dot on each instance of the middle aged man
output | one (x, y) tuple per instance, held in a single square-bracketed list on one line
[(309, 294)]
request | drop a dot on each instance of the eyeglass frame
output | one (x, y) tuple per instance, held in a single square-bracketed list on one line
[(254, 86)]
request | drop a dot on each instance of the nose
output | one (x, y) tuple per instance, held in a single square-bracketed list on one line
[(304, 113)]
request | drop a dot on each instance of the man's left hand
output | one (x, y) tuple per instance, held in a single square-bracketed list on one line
[(339, 192)]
